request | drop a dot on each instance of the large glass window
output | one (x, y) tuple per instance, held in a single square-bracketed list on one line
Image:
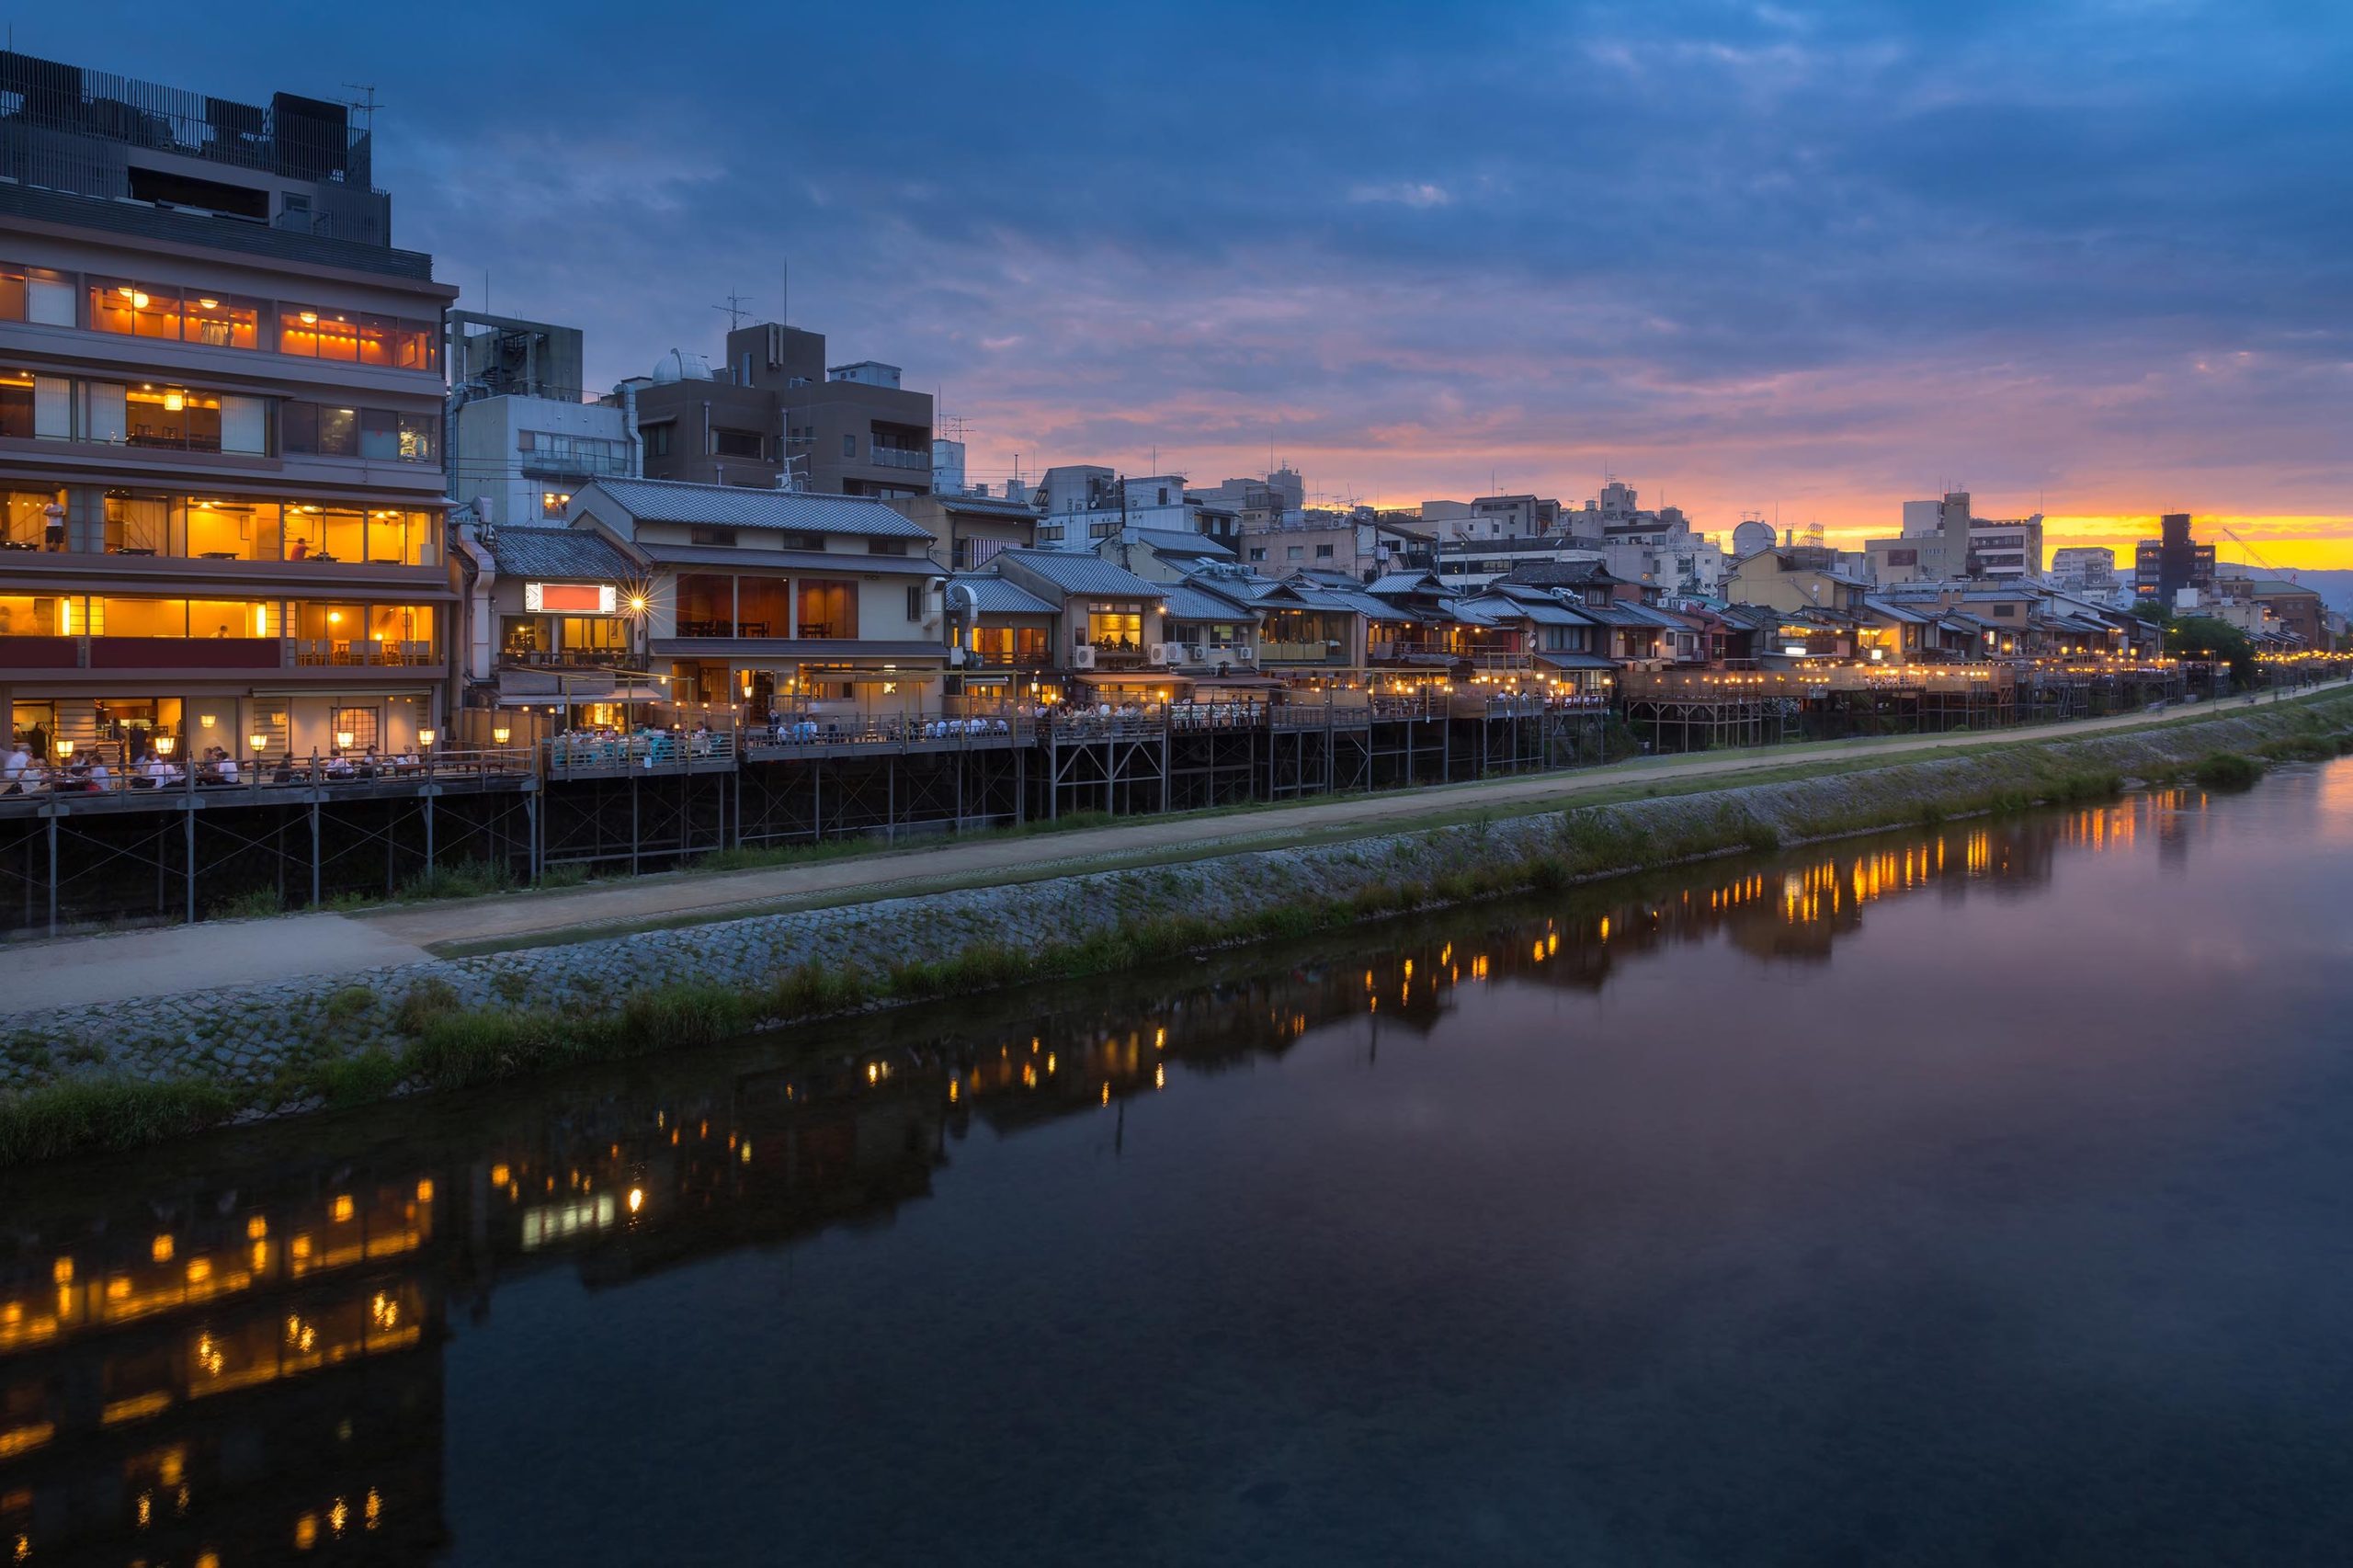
[(595, 633), (317, 334), (16, 404), (220, 321), (522, 636), (325, 533), (28, 522), (760, 605), (159, 310), (106, 414), (27, 295), (826, 608), (35, 615), (137, 524), (328, 431), (706, 605), (1115, 629), (216, 529)]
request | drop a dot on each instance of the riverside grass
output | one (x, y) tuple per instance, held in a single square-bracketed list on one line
[(446, 1045)]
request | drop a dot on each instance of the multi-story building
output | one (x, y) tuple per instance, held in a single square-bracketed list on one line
[(1083, 504), (523, 434), (2087, 569), (221, 423), (2163, 566), (772, 599), (777, 415)]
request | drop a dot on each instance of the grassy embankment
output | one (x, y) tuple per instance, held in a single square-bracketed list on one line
[(447, 1045)]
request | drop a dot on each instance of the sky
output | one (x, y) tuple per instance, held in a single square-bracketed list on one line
[(2092, 258)]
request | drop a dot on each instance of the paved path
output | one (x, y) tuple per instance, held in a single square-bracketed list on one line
[(159, 962)]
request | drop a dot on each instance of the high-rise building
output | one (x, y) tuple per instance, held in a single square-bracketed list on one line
[(221, 499), (2163, 566)]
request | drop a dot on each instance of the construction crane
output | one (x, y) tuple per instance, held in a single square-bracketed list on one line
[(2254, 554)]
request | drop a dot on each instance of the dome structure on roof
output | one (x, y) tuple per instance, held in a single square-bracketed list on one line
[(676, 365)]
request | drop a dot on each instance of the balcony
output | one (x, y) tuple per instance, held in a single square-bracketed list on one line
[(204, 656), (900, 457)]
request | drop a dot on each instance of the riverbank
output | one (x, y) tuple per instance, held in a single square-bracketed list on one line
[(97, 1075)]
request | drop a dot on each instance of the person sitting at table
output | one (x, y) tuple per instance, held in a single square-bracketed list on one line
[(370, 764), (98, 776), (226, 767), (338, 766), (14, 766)]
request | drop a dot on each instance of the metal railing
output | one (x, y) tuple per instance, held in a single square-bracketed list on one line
[(280, 139), (650, 751), (899, 456), (256, 777)]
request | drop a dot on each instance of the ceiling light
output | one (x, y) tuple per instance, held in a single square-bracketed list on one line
[(209, 303), (309, 318)]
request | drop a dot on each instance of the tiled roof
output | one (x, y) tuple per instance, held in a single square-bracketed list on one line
[(751, 560), (1197, 601), (559, 555), (741, 507), (994, 595), (1162, 541), (1893, 611), (1076, 571)]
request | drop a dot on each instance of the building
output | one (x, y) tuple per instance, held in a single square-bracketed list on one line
[(221, 430), (775, 415), (522, 436), (2163, 566), (971, 528), (2087, 569), (2284, 605), (1107, 622), (555, 630), (1083, 504), (776, 599), (1492, 517), (1793, 578), (2000, 547), (1468, 564), (1360, 543)]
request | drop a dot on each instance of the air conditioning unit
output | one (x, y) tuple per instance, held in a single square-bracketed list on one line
[(1196, 653), (1246, 654), (1160, 652), (1082, 658)]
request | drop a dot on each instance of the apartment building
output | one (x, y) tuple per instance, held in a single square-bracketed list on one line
[(221, 429), (776, 412), (523, 433)]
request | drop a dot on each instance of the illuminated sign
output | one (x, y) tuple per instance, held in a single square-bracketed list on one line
[(568, 598)]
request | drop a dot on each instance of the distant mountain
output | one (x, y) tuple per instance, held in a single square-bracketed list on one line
[(2334, 587)]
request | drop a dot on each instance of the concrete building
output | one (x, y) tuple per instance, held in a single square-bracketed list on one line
[(1083, 504), (1959, 544), (1922, 518), (2163, 566), (775, 415), (1492, 517), (221, 429), (2087, 569), (521, 437)]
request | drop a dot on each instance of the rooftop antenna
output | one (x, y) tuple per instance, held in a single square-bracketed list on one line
[(736, 309), (367, 105)]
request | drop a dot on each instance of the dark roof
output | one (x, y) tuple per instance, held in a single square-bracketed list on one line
[(754, 558), (1894, 613), (559, 555), (1200, 601), (1079, 571), (797, 647), (1162, 541), (992, 594), (741, 507), (1561, 573)]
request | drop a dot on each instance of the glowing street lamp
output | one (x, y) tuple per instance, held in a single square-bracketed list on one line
[(260, 742), (425, 737)]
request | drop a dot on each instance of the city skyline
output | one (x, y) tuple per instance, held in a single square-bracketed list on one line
[(1803, 260)]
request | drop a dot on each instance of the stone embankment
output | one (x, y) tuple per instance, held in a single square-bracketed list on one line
[(296, 1046)]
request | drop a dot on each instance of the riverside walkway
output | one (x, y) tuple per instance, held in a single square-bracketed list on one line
[(124, 966)]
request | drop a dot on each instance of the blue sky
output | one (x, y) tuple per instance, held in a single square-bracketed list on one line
[(1812, 258)]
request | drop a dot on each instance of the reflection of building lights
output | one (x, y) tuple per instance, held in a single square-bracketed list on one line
[(636, 1199)]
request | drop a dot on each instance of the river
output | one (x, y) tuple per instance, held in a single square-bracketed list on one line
[(1961, 1195)]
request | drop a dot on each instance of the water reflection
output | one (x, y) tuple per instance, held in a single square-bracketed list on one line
[(245, 1359)]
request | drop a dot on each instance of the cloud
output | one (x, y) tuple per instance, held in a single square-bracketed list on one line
[(1825, 254)]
